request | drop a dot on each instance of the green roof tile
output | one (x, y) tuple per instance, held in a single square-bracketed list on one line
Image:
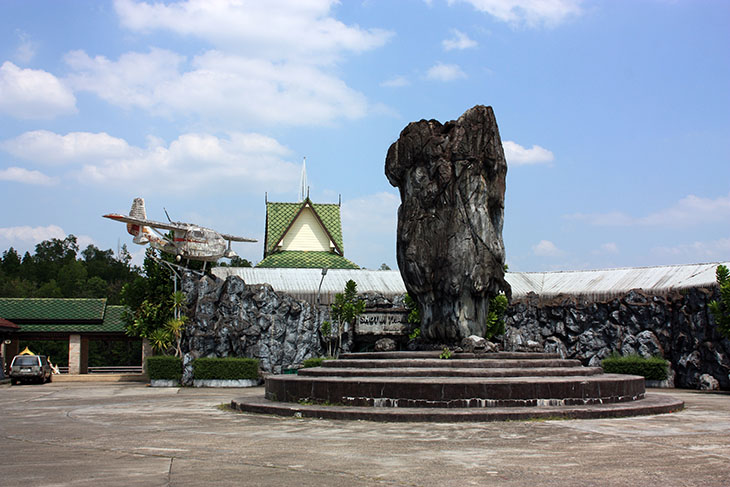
[(303, 259), (279, 217), (52, 309)]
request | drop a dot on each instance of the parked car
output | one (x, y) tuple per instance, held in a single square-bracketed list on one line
[(30, 368)]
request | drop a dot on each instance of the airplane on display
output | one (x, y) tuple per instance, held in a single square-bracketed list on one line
[(189, 241)]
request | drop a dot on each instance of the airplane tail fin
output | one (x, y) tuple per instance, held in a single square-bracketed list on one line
[(140, 232), (138, 210)]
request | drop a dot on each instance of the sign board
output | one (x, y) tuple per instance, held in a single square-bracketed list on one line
[(382, 322)]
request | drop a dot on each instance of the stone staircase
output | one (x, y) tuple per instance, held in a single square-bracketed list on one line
[(414, 386)]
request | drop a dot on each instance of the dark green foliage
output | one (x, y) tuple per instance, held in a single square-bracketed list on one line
[(314, 362), (57, 271), (495, 319), (228, 368), (55, 350), (654, 368), (114, 353), (149, 298), (164, 367), (720, 309), (414, 316), (235, 262)]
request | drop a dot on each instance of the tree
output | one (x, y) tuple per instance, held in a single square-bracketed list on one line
[(384, 267), (720, 309), (236, 262), (149, 299), (346, 309)]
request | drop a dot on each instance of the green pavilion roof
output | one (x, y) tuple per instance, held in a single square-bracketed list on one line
[(52, 315), (18, 310), (307, 259), (280, 216)]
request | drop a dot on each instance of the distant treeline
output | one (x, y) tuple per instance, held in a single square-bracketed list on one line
[(58, 270)]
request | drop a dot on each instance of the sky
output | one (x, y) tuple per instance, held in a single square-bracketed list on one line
[(614, 117)]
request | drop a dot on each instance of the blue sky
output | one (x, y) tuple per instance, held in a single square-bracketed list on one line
[(614, 115)]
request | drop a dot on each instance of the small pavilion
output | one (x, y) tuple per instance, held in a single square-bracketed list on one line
[(77, 321)]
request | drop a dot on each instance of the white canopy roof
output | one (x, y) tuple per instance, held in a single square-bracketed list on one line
[(591, 285)]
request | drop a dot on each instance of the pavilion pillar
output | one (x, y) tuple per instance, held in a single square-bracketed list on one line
[(84, 365), (11, 350), (74, 354)]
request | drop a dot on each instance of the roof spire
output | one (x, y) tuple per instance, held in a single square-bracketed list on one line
[(303, 188)]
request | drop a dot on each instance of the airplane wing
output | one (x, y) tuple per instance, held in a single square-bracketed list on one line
[(237, 239), (147, 223)]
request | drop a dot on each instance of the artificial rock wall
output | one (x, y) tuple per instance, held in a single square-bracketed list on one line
[(677, 326), (231, 319)]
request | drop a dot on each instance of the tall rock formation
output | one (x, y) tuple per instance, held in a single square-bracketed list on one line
[(450, 251)]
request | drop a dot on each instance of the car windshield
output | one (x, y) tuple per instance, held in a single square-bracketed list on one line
[(26, 360)]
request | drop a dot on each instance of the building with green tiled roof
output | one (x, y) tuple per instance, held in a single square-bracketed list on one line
[(76, 320), (304, 235)]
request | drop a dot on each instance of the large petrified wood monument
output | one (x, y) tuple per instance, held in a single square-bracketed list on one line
[(450, 251)]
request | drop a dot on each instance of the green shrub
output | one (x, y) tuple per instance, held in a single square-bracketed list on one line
[(228, 368), (314, 362), (654, 368), (164, 367)]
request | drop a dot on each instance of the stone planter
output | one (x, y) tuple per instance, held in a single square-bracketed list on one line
[(164, 383), (226, 383)]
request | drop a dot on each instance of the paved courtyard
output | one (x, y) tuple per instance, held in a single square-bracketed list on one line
[(75, 434)]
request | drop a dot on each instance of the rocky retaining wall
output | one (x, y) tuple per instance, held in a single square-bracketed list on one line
[(677, 327), (232, 319)]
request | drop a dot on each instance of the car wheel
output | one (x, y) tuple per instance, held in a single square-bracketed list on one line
[(13, 382)]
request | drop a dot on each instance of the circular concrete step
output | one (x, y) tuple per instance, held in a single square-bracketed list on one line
[(447, 371), (651, 404), (511, 363), (458, 392)]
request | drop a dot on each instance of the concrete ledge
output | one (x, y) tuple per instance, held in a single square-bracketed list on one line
[(164, 383), (99, 378), (226, 383), (651, 404)]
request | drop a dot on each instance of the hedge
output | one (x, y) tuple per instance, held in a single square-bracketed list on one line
[(164, 367), (228, 368), (654, 368), (313, 362)]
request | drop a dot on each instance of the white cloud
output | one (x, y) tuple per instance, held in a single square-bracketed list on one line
[(304, 31), (218, 85), (690, 210), (45, 147), (531, 13), (31, 234), (20, 175), (26, 49), (713, 251), (33, 93), (269, 62), (459, 41), (445, 72), (191, 160), (516, 155), (545, 248), (396, 82)]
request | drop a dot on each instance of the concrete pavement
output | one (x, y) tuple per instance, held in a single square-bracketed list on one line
[(83, 434)]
